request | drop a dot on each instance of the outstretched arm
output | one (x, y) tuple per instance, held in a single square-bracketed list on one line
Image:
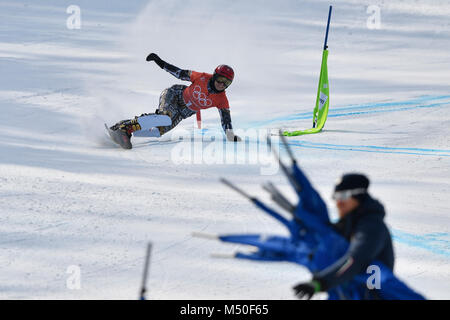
[(173, 70), (225, 119)]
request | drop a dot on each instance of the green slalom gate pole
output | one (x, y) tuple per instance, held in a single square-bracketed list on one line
[(322, 101), (324, 59)]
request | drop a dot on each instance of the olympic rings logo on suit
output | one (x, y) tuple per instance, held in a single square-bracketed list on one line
[(201, 97)]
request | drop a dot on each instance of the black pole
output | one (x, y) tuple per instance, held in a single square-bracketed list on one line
[(238, 190), (328, 27), (145, 274), (286, 145)]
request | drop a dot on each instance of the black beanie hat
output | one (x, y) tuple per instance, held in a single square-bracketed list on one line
[(352, 181)]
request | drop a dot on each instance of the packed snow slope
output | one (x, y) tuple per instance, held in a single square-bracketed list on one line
[(69, 197)]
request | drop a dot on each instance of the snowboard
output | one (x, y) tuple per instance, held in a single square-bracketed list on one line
[(148, 124)]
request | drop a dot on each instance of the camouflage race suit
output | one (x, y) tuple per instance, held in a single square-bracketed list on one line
[(171, 103), (179, 102)]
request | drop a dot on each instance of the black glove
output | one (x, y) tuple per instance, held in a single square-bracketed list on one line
[(307, 289), (156, 58), (153, 57)]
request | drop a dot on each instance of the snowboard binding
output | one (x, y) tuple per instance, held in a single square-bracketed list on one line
[(144, 125)]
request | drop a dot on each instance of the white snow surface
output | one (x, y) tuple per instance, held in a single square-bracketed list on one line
[(69, 197)]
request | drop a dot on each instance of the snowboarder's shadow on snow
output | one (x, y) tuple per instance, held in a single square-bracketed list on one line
[(154, 143)]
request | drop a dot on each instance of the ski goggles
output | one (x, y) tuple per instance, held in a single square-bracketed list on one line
[(225, 81), (346, 194)]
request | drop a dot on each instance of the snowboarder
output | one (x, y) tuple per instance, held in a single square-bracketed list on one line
[(180, 102), (361, 223)]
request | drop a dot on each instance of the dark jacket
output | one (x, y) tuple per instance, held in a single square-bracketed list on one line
[(369, 239)]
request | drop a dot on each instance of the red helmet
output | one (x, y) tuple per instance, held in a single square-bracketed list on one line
[(226, 71)]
